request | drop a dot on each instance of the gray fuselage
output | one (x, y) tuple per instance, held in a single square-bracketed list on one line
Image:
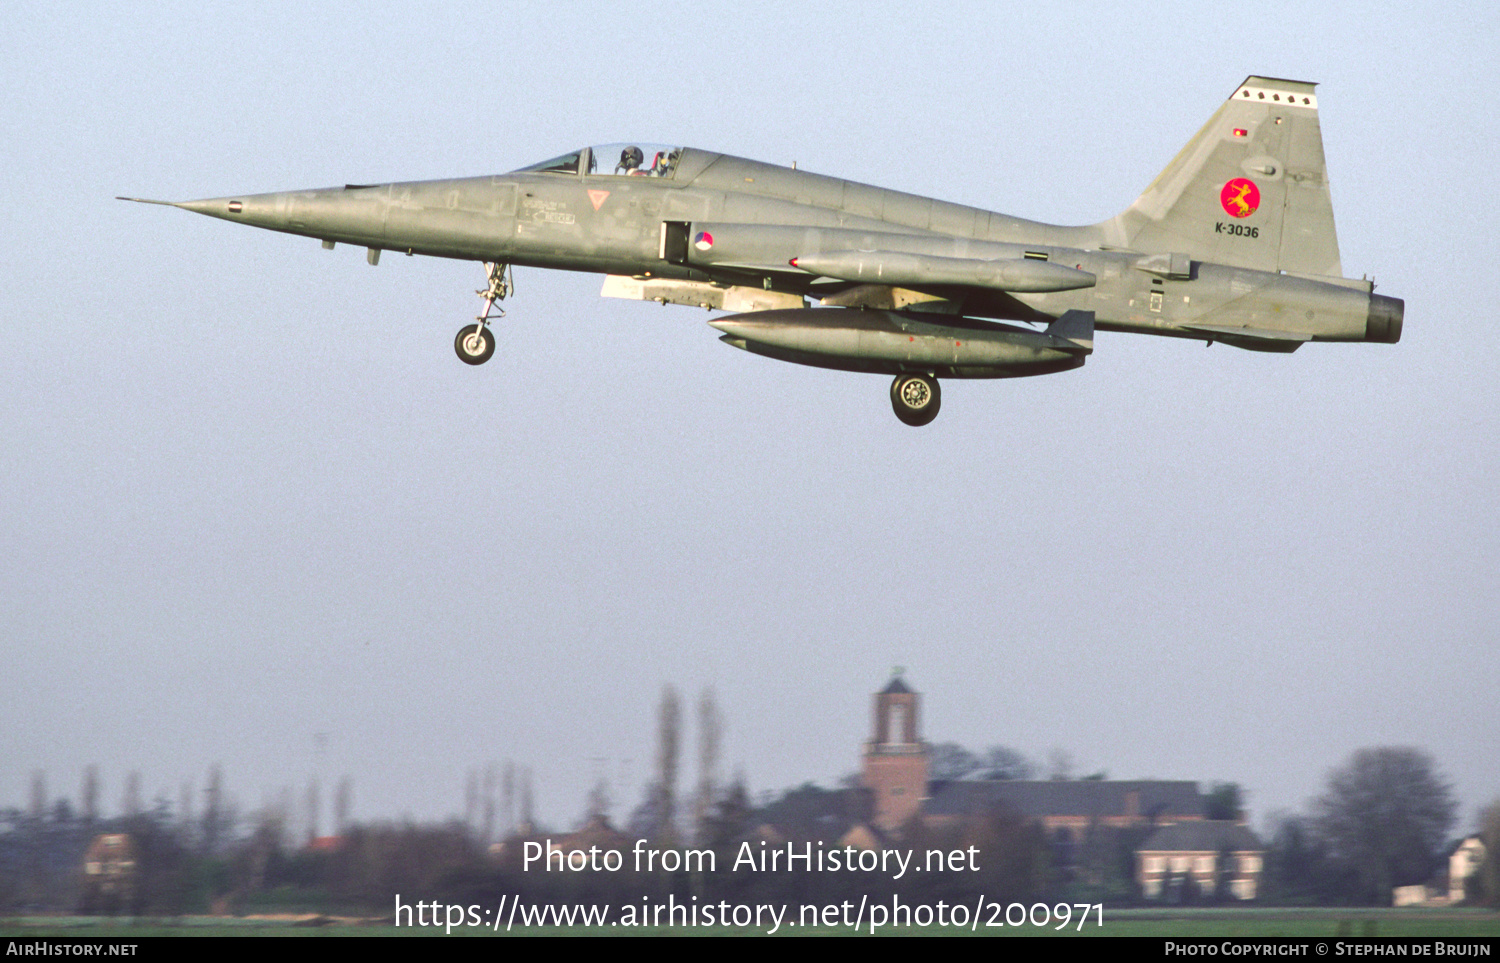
[(761, 216)]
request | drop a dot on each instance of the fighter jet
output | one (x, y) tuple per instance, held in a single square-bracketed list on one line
[(1233, 242)]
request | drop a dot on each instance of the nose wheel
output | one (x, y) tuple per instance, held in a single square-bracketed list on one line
[(474, 344), (916, 399)]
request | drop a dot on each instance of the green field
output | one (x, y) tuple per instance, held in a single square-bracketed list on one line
[(1253, 923)]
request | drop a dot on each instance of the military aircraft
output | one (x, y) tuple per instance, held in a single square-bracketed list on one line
[(1233, 242)]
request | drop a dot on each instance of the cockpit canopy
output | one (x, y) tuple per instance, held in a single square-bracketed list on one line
[(622, 160)]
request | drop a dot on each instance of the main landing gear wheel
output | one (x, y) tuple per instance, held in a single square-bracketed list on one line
[(916, 399), (474, 344)]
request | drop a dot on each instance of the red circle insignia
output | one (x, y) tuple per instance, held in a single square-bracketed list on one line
[(1240, 197)]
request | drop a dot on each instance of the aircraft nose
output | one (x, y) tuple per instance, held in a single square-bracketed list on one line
[(226, 207), (214, 206), (258, 210)]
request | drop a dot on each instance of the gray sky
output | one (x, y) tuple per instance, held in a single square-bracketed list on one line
[(251, 495)]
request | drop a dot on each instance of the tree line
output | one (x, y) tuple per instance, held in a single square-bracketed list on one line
[(1382, 821)]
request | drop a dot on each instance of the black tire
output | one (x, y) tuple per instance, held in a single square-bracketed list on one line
[(916, 399), (474, 344)]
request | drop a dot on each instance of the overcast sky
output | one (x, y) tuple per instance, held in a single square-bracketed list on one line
[(250, 495)]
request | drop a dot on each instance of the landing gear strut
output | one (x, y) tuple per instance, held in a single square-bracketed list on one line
[(476, 342), (916, 398)]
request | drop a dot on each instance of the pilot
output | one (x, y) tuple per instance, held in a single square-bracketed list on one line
[(630, 161)]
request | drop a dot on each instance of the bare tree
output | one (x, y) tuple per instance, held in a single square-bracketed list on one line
[(508, 797), (1489, 870), (265, 841), (471, 801), (487, 829), (286, 806), (90, 798), (38, 793), (732, 811), (710, 736), (528, 821), (1003, 762), (645, 820), (213, 810), (949, 760), (668, 744), (343, 806), (1386, 814), (130, 805), (314, 799), (186, 831), (598, 801)]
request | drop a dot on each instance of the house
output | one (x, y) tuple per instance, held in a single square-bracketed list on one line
[(1463, 865), (110, 872), (1204, 859), (326, 844), (1446, 888)]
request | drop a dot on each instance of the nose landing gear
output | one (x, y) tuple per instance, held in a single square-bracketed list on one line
[(475, 343)]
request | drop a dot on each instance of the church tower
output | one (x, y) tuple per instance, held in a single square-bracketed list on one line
[(896, 760)]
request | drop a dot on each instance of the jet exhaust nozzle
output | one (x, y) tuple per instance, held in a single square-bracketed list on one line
[(1386, 317)]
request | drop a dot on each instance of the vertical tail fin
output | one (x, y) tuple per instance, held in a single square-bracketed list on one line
[(1249, 190)]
